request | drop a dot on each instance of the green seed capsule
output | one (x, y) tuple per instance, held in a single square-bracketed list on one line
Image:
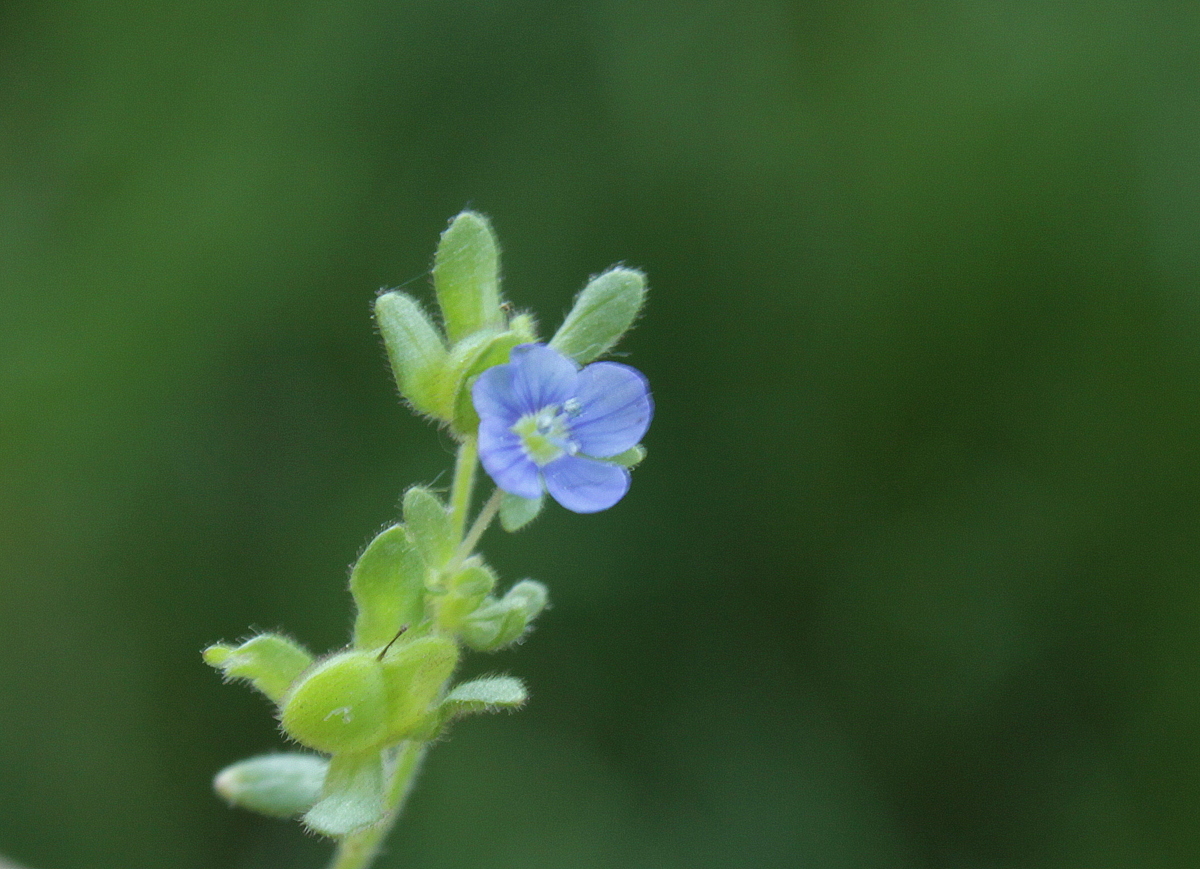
[(340, 706), (415, 673)]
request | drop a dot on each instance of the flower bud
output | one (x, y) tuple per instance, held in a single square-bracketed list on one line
[(339, 706), (415, 349), (502, 622), (276, 785), (465, 591), (466, 276), (602, 313)]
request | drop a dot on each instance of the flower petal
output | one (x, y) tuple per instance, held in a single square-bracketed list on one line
[(585, 485), (615, 409), (506, 461), (494, 397), (541, 377)]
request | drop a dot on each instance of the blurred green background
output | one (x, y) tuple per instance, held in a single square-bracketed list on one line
[(911, 577)]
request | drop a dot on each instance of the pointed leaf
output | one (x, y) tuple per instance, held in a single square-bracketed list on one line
[(602, 313), (352, 796), (415, 349), (277, 785), (470, 358), (466, 276), (429, 526), (269, 662), (631, 458), (388, 584), (488, 694)]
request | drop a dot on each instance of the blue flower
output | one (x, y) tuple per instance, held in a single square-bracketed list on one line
[(543, 422)]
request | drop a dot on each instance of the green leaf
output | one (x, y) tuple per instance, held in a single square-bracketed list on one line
[(524, 327), (429, 528), (466, 276), (388, 584), (631, 458), (415, 673), (339, 705), (470, 358), (277, 785), (416, 351), (488, 694), (269, 662), (352, 797), (517, 512), (602, 313)]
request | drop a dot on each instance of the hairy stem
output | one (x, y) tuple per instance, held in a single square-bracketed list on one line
[(482, 521), (463, 486), (359, 849)]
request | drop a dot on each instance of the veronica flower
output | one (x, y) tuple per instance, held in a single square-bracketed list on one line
[(546, 423)]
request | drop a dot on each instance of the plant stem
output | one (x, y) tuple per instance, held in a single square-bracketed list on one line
[(482, 521), (463, 486), (359, 849)]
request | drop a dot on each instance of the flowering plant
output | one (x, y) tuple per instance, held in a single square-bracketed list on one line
[(540, 417)]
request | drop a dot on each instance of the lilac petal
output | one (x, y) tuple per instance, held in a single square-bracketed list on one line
[(541, 377), (506, 461), (494, 397), (615, 409), (584, 485)]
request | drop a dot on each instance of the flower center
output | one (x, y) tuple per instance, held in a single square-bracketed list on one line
[(546, 434)]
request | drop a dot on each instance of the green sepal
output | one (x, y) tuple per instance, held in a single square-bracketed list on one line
[(416, 350), (631, 458), (415, 672), (517, 512), (340, 705), (470, 358), (429, 528), (502, 622), (466, 276), (489, 694), (524, 327), (352, 796), (463, 594), (276, 785), (269, 662), (388, 585), (602, 313)]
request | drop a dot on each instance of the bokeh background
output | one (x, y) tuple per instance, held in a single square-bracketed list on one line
[(911, 577)]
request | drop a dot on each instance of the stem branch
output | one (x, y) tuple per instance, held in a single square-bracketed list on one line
[(482, 521)]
